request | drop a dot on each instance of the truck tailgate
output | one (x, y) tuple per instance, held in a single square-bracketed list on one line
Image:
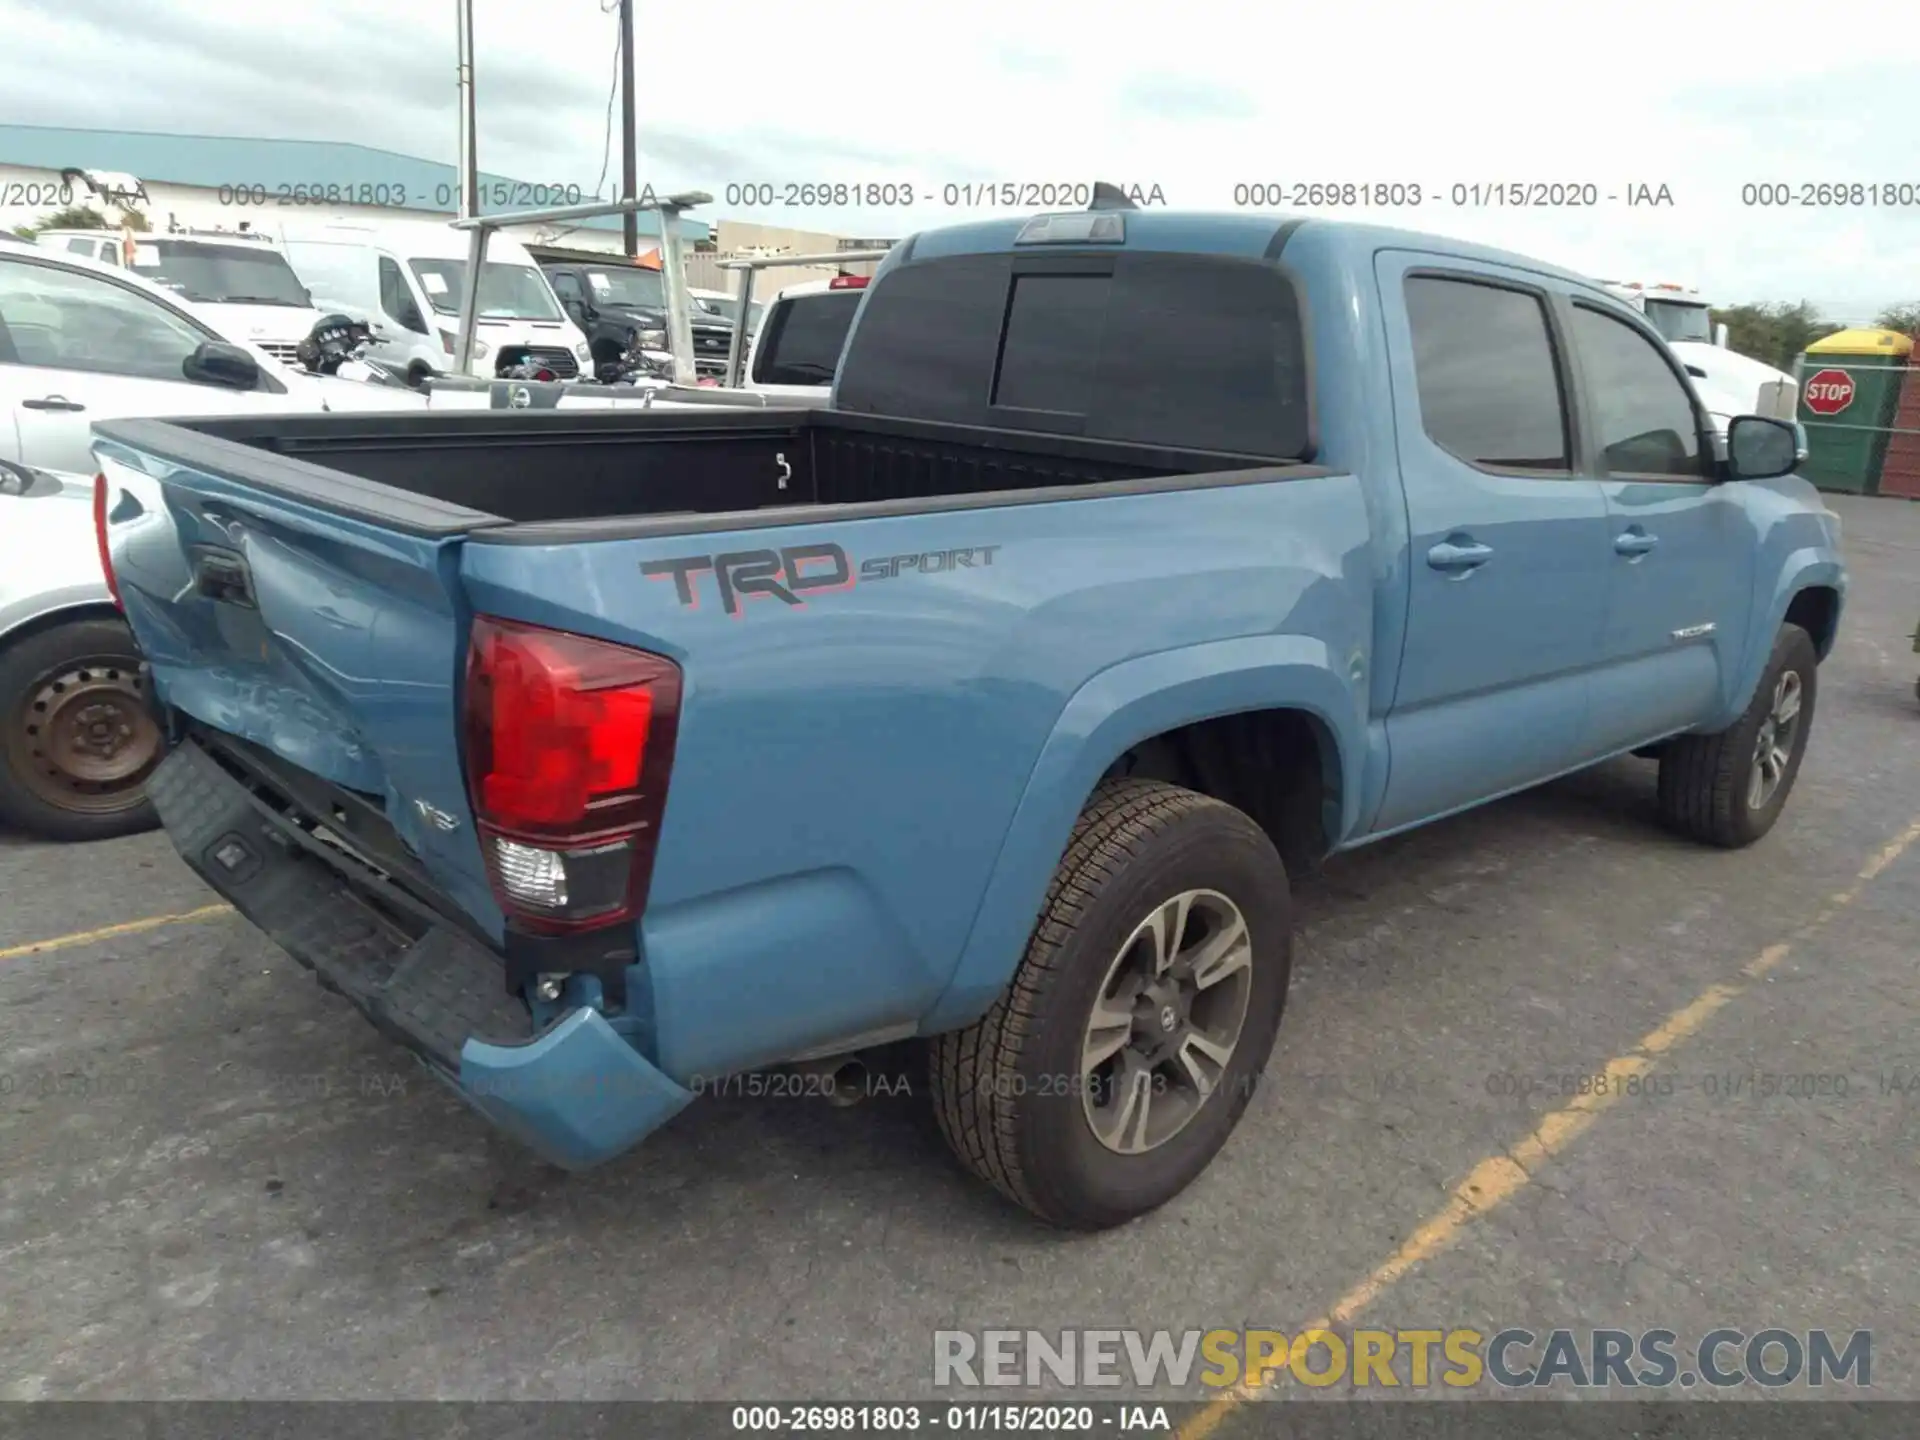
[(332, 641)]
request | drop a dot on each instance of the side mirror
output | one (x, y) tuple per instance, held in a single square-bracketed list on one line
[(215, 363), (1720, 335), (577, 309), (1761, 448)]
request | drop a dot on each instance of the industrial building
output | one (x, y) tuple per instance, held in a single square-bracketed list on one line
[(230, 182)]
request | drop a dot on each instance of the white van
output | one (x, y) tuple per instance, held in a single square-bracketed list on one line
[(239, 279), (406, 277)]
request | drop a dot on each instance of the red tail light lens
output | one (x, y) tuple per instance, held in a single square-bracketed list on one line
[(569, 745), (847, 282), (100, 538)]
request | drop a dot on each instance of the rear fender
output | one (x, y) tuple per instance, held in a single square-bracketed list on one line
[(1106, 717), (51, 608)]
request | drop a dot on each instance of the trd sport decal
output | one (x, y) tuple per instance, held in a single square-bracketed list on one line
[(800, 570)]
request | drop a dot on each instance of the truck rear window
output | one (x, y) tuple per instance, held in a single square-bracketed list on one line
[(1185, 351)]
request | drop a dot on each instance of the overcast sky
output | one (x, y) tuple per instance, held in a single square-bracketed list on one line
[(1701, 96)]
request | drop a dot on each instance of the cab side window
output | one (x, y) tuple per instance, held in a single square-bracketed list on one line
[(65, 320), (1488, 378), (1644, 417), (566, 285), (396, 299)]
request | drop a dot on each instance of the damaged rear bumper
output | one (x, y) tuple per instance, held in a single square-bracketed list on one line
[(575, 1091)]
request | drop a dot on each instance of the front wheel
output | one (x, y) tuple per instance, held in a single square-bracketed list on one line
[(1142, 1014), (1729, 788), (77, 740)]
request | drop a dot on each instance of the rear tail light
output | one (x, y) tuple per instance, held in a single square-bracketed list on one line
[(847, 282), (569, 745), (100, 539)]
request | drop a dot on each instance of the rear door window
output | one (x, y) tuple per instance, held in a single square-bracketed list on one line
[(1489, 383)]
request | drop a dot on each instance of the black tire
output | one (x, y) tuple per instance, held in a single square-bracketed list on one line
[(1704, 779), (1006, 1090), (52, 683)]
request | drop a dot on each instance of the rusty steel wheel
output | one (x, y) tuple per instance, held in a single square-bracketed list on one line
[(76, 733)]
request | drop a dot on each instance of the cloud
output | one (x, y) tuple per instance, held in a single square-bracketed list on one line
[(1173, 97), (1700, 97), (1016, 60)]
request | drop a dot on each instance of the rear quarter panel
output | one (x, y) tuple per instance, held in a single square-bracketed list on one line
[(855, 775)]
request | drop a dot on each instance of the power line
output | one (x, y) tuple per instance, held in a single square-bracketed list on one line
[(607, 7)]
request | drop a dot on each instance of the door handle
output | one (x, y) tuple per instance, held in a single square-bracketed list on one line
[(51, 402), (1634, 543), (1459, 556)]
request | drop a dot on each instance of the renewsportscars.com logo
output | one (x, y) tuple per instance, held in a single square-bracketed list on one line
[(1511, 1359), (794, 572)]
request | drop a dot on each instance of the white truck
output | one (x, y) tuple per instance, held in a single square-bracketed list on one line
[(240, 279), (794, 353), (1730, 384)]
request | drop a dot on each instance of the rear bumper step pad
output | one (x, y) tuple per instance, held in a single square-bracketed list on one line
[(577, 1093)]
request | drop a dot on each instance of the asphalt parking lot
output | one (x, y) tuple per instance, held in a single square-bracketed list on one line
[(218, 1181)]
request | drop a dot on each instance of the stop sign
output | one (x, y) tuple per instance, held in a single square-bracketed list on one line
[(1829, 392)]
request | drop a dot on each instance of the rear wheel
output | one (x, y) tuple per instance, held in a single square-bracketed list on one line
[(1128, 1045), (1729, 788), (77, 739)]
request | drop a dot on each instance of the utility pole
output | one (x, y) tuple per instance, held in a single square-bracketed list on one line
[(629, 160), (469, 138)]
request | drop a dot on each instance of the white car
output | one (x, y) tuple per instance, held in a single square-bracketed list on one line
[(79, 342), (238, 279), (82, 341), (794, 353)]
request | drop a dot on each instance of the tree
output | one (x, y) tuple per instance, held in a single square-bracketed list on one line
[(74, 217), (136, 221), (1904, 318), (1774, 333)]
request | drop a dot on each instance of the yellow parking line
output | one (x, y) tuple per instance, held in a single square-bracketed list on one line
[(1498, 1178), (108, 932)]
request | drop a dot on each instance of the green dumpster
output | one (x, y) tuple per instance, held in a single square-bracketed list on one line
[(1849, 390)]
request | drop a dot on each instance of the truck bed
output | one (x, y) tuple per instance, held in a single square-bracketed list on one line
[(570, 474)]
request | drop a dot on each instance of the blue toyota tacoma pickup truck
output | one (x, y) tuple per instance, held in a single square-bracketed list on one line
[(1139, 559)]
